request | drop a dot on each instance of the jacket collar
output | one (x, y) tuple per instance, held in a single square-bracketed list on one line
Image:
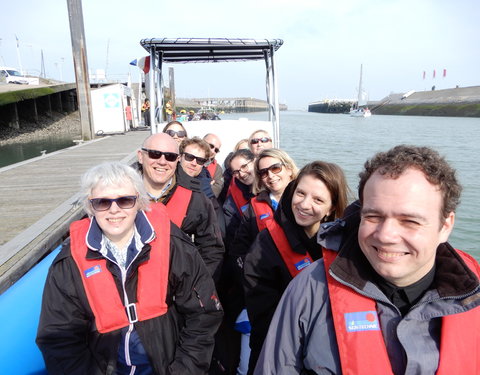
[(142, 224)]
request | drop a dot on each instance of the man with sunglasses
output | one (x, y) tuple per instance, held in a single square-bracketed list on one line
[(213, 167), (188, 206), (194, 154)]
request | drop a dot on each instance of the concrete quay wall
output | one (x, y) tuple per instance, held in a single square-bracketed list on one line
[(456, 102)]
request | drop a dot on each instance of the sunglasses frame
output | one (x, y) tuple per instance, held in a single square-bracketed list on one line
[(159, 154), (254, 141), (216, 149), (173, 133), (200, 160), (96, 201), (263, 173)]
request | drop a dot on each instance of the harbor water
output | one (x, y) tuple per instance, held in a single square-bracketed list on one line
[(349, 141)]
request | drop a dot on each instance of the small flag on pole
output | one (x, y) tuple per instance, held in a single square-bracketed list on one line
[(424, 74), (433, 73), (143, 63), (444, 73)]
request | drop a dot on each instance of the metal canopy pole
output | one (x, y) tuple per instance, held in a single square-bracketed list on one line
[(151, 92), (159, 109), (276, 119)]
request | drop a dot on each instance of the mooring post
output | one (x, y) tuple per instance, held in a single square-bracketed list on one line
[(79, 50)]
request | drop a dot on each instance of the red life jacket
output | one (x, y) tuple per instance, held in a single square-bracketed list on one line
[(99, 285), (362, 347), (237, 195), (212, 167), (294, 261), (263, 213), (178, 204)]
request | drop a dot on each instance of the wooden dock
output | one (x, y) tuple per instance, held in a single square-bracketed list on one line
[(38, 199)]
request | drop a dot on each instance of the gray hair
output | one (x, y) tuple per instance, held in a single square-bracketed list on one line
[(112, 173)]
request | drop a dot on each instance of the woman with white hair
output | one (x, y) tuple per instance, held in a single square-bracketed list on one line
[(129, 293)]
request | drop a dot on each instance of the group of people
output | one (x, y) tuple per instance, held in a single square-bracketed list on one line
[(184, 267)]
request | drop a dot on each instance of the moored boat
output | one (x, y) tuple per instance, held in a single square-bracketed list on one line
[(360, 109)]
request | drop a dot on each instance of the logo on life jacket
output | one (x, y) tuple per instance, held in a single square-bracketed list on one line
[(264, 216), (362, 321), (93, 270), (302, 264)]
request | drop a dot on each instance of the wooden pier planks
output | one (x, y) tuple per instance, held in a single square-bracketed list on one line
[(38, 198)]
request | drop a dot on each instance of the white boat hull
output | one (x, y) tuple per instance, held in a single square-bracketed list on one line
[(360, 113)]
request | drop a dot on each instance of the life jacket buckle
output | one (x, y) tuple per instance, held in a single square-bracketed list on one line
[(132, 313)]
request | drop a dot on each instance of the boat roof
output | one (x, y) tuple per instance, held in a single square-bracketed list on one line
[(204, 50)]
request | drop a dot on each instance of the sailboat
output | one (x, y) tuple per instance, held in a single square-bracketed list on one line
[(361, 109)]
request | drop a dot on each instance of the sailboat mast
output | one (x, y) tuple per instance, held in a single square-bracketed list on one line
[(360, 87)]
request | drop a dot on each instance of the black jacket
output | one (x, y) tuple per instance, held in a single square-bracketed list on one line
[(233, 216), (266, 276), (200, 221), (178, 342)]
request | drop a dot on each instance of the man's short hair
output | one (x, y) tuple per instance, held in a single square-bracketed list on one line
[(436, 169), (196, 141)]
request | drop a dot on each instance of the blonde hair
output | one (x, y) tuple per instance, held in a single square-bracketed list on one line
[(276, 153)]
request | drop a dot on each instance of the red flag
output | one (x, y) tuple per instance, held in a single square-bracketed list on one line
[(444, 73), (424, 74), (433, 73)]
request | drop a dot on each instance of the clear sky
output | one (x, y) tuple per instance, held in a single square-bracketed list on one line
[(324, 43)]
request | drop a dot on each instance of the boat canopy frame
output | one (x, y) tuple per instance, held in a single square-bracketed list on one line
[(211, 50)]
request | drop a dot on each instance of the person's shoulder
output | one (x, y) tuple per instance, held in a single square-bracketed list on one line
[(311, 278)]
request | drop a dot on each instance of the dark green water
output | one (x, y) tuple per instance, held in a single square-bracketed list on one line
[(17, 152)]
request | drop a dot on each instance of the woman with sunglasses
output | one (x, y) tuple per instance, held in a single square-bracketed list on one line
[(289, 244), (274, 169), (175, 130), (128, 294), (258, 141)]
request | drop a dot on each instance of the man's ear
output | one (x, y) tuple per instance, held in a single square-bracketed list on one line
[(447, 227)]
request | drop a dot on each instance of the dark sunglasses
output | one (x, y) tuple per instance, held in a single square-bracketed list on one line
[(190, 157), (155, 154), (216, 149), (179, 134), (254, 141), (103, 204), (274, 168)]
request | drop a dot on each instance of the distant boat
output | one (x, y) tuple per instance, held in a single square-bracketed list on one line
[(360, 109)]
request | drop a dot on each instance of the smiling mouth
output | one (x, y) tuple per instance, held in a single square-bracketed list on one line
[(115, 220), (389, 255)]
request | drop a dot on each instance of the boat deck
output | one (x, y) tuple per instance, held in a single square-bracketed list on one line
[(38, 199)]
